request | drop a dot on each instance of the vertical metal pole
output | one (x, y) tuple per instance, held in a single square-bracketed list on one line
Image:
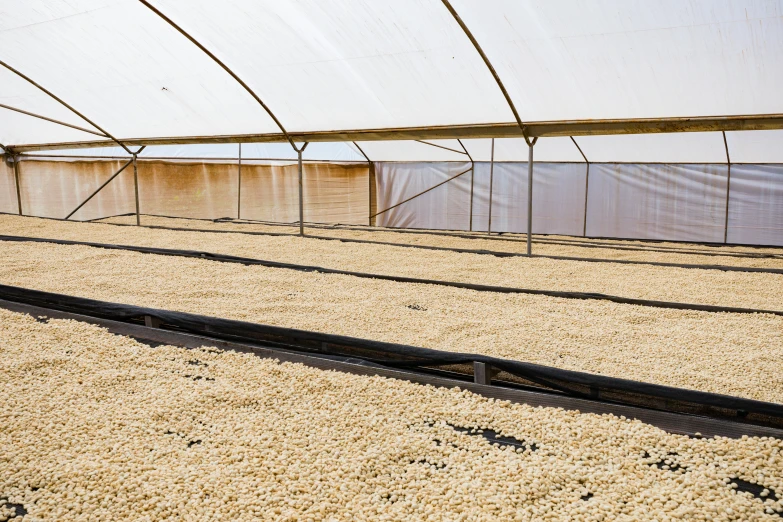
[(472, 175), (301, 207), (239, 182), (136, 189), (18, 187), (728, 190), (587, 187), (491, 173), (530, 196)]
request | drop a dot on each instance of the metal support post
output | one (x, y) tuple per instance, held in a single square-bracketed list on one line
[(470, 222), (728, 191), (530, 195), (239, 183), (587, 188), (136, 189), (301, 198), (151, 322), (491, 175), (472, 176), (18, 186)]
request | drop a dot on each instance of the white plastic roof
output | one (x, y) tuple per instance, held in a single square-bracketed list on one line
[(330, 65)]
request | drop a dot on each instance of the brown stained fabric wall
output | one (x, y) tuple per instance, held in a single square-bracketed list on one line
[(55, 188), (7, 187), (196, 190), (332, 193)]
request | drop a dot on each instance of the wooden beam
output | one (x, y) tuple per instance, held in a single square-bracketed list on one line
[(495, 130)]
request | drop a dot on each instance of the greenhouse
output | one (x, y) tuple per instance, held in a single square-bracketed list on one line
[(411, 260)]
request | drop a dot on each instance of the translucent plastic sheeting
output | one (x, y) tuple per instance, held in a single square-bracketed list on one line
[(756, 146), (123, 67), (572, 59), (21, 94), (7, 187), (349, 64), (516, 149), (332, 193), (674, 202), (685, 147), (756, 205), (446, 207), (362, 64), (558, 196), (506, 149), (53, 189), (18, 128), (412, 151)]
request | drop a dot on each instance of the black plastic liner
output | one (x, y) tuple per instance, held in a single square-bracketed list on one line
[(495, 253), (403, 356), (399, 279), (600, 242)]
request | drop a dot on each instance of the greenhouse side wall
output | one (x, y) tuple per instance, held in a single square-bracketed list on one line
[(332, 192), (683, 202), (678, 202), (7, 187)]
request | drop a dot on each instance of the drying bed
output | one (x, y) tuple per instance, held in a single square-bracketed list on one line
[(689, 253), (726, 353), (708, 287), (98, 426)]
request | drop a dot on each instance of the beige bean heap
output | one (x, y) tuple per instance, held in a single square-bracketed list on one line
[(95, 426), (729, 353), (712, 287), (517, 243)]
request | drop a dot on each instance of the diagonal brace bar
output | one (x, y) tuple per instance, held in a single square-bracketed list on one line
[(74, 211), (422, 192), (58, 122)]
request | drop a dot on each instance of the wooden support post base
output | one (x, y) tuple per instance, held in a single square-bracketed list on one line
[(482, 373)]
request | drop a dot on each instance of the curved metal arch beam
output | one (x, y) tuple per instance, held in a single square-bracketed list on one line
[(489, 65), (579, 149), (225, 68), (59, 100), (587, 185), (362, 151), (58, 122)]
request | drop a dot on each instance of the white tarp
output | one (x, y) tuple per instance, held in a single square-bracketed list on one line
[(756, 146), (361, 65), (446, 207), (643, 201), (685, 147), (654, 201), (756, 205), (558, 196), (576, 59)]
